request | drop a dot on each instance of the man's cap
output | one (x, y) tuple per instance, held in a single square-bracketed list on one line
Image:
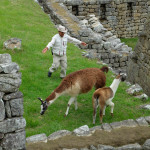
[(62, 29)]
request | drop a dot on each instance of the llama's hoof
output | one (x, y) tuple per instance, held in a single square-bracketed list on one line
[(65, 115), (112, 114)]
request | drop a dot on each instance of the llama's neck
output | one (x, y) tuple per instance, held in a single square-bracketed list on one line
[(114, 85)]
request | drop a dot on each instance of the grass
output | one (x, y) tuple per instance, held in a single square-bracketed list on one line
[(131, 42), (25, 19)]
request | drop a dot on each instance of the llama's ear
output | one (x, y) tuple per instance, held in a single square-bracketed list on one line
[(40, 100)]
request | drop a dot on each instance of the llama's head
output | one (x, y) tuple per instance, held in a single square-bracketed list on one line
[(44, 106), (121, 76)]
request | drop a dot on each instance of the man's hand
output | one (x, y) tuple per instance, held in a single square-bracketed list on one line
[(45, 50), (83, 43)]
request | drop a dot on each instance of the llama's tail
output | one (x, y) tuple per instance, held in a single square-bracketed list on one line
[(96, 95), (105, 69)]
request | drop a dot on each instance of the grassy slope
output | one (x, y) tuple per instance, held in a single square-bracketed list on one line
[(25, 19)]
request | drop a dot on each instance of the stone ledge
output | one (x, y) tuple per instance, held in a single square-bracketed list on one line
[(86, 131)]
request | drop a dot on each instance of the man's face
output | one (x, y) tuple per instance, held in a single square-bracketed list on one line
[(61, 33)]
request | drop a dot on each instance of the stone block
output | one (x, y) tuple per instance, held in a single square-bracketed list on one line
[(9, 67), (129, 123), (13, 141), (105, 147), (81, 131), (15, 95), (1, 95), (5, 58), (106, 127), (8, 109), (58, 134), (10, 82), (142, 122), (135, 146), (2, 110), (11, 125), (92, 130), (147, 119), (146, 145), (16, 107), (1, 136), (37, 138)]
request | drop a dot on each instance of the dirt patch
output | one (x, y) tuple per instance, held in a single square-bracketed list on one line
[(116, 138)]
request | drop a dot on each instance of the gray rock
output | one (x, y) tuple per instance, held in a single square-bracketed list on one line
[(15, 95), (14, 141), (5, 58), (116, 125), (37, 138), (9, 67), (70, 149), (107, 45), (92, 130), (1, 95), (135, 146), (2, 110), (92, 147), (145, 106), (10, 82), (11, 125), (85, 32), (134, 89), (108, 34), (106, 127), (84, 149), (129, 123), (105, 147), (16, 107), (119, 46), (147, 119), (142, 122), (58, 134), (1, 136), (13, 43), (146, 145), (82, 131), (1, 148), (142, 97), (8, 110)]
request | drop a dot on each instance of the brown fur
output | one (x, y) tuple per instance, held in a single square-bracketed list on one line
[(81, 81), (101, 95)]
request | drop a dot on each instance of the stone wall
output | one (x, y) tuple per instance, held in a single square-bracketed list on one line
[(12, 123), (139, 65), (124, 18)]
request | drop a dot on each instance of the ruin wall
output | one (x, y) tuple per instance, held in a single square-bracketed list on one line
[(124, 18), (12, 123)]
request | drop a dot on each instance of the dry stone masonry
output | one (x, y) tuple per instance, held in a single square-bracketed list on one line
[(12, 123), (124, 18), (139, 65)]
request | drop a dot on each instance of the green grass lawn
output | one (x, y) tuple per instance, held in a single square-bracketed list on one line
[(25, 19)]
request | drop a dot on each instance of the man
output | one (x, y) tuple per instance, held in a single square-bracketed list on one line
[(59, 45)]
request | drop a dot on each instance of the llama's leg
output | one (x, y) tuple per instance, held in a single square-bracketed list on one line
[(101, 113), (71, 100), (104, 110), (112, 108), (75, 103), (95, 105)]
